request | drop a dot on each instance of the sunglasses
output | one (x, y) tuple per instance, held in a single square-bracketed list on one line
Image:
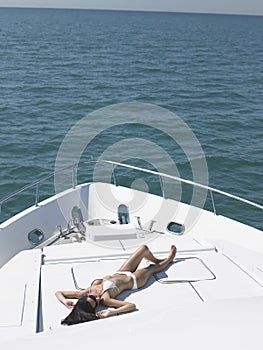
[(93, 298)]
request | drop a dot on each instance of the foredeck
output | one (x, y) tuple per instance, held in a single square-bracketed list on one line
[(217, 275), (202, 274), (199, 274)]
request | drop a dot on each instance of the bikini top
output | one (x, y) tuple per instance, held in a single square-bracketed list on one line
[(108, 285)]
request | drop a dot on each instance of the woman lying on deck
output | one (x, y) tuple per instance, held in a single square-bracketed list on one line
[(106, 289)]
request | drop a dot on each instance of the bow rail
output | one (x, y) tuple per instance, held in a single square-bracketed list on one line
[(161, 175)]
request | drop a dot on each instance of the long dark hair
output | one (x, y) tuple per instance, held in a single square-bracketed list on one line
[(82, 312)]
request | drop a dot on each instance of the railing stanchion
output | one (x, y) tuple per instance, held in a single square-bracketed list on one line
[(37, 194), (73, 176), (162, 188), (114, 175), (213, 202), (37, 183)]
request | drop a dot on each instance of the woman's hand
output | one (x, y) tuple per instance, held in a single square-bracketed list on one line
[(118, 305), (64, 298), (69, 304), (104, 313)]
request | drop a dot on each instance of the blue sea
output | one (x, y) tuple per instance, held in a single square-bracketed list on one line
[(57, 66)]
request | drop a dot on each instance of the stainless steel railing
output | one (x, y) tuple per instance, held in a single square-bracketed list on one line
[(73, 167)]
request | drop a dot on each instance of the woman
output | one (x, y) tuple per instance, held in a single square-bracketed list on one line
[(83, 311), (106, 289)]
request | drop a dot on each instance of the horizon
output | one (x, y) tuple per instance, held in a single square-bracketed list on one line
[(128, 10), (231, 7)]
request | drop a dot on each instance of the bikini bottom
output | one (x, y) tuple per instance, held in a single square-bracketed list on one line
[(130, 274)]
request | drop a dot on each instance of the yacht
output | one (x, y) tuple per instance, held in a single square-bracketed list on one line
[(210, 296)]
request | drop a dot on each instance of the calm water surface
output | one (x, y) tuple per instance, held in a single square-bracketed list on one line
[(59, 65)]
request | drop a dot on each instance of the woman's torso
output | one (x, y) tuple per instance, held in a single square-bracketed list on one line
[(114, 284)]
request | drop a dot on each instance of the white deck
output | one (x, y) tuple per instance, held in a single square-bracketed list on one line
[(204, 278), (216, 278), (20, 295), (198, 275)]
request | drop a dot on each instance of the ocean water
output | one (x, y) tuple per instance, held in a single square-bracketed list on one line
[(57, 66)]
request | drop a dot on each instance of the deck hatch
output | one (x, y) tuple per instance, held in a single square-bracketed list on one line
[(84, 273), (13, 316), (190, 269)]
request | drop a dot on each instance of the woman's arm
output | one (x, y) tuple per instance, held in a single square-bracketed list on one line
[(63, 297), (118, 305)]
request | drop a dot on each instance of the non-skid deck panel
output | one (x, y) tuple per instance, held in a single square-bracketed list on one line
[(12, 304), (54, 278), (84, 273), (162, 295), (190, 269), (250, 260), (230, 282), (61, 277), (19, 294), (218, 278)]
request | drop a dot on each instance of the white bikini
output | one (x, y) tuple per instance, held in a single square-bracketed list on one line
[(109, 284), (130, 274)]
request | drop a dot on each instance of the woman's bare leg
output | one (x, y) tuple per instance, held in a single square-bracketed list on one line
[(143, 275), (134, 260)]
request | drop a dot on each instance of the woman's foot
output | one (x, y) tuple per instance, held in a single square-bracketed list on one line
[(170, 257), (172, 254)]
